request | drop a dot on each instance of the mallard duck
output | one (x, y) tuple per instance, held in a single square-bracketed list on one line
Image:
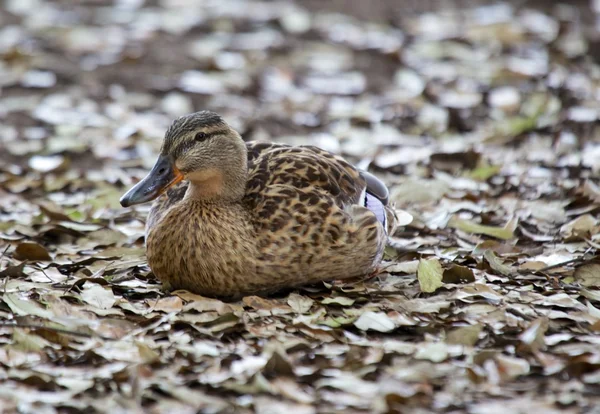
[(237, 218)]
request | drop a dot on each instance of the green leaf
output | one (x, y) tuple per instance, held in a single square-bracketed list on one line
[(465, 335), (338, 300), (504, 233), (497, 264), (75, 215), (484, 172), (518, 125), (430, 275), (28, 342), (25, 307)]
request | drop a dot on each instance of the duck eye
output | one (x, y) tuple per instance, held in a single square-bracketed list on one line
[(200, 136)]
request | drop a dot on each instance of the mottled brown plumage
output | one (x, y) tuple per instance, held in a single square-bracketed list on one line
[(251, 218)]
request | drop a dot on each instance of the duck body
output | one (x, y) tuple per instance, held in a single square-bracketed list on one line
[(303, 215)]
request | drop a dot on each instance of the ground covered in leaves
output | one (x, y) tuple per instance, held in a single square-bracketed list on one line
[(482, 120)]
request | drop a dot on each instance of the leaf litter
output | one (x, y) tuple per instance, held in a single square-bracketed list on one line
[(481, 117)]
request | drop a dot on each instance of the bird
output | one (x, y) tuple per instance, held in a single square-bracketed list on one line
[(232, 218)]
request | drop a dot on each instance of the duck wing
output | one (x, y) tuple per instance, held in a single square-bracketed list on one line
[(303, 167)]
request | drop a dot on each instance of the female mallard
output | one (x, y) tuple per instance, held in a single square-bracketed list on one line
[(256, 217)]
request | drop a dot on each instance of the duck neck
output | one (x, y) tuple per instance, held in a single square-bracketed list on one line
[(215, 185)]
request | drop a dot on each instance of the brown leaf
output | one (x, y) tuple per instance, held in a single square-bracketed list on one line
[(533, 336), (497, 247), (299, 303), (454, 162), (278, 365), (580, 227), (465, 335), (259, 303), (510, 367), (13, 271), (52, 212), (588, 275), (168, 304), (458, 274), (32, 251)]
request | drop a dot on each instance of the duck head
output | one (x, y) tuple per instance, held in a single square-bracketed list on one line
[(202, 149)]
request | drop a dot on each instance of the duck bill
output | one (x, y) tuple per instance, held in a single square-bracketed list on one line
[(163, 175)]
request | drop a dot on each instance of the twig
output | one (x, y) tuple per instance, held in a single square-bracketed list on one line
[(561, 264), (48, 277), (4, 252)]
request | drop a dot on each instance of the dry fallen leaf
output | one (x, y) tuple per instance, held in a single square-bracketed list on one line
[(376, 321), (533, 336), (169, 304), (496, 263), (485, 134), (299, 303), (430, 274), (98, 296), (588, 275), (458, 274), (503, 233), (435, 352), (32, 251), (580, 227), (466, 335), (339, 300)]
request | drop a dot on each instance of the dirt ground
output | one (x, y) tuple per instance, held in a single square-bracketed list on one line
[(481, 117)]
